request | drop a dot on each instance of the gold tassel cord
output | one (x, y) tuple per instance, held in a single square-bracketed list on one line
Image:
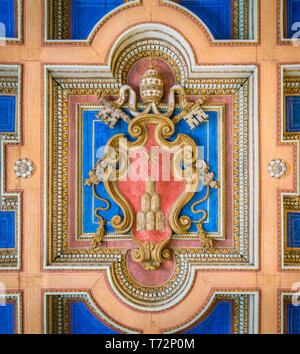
[(102, 199), (99, 235), (207, 243), (199, 202)]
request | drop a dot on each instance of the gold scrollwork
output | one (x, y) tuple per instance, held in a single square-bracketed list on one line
[(184, 153), (184, 156), (102, 199), (151, 254), (201, 201), (117, 168)]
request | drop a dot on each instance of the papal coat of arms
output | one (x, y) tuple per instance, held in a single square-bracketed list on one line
[(153, 172), (150, 172)]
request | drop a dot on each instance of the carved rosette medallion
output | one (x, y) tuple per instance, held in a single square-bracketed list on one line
[(24, 168)]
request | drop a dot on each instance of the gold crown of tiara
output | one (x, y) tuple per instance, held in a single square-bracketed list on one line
[(151, 86)]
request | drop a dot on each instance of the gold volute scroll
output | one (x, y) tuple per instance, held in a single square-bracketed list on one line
[(151, 254)]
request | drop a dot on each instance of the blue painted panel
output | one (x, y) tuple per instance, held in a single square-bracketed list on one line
[(7, 113), (292, 114), (216, 14), (7, 17), (293, 229), (84, 322), (7, 229), (293, 319), (86, 13), (7, 125), (7, 318), (292, 16), (95, 137), (217, 322), (210, 154)]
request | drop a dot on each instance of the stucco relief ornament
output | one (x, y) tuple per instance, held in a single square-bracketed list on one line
[(151, 206), (277, 168), (24, 168), (151, 89)]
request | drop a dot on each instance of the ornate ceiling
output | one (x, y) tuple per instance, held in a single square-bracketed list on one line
[(149, 166)]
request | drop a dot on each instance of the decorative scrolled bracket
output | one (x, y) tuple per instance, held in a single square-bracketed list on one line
[(151, 254)]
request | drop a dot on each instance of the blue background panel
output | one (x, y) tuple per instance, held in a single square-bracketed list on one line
[(292, 16), (7, 318), (292, 319), (292, 114), (7, 17), (216, 14), (217, 322), (93, 149), (86, 13), (96, 136), (7, 229), (293, 229), (7, 125), (84, 322), (7, 113)]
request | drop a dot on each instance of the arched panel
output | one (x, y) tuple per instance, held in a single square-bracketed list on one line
[(226, 312), (76, 312)]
